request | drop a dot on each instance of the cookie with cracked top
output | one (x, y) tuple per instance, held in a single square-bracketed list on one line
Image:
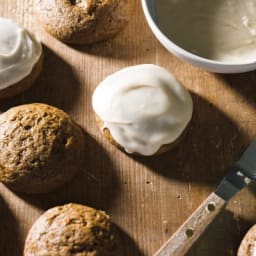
[(83, 21), (41, 148), (72, 229)]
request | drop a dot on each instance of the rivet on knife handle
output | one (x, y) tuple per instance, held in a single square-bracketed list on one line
[(190, 231)]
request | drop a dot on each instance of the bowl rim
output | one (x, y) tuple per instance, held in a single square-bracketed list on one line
[(181, 51)]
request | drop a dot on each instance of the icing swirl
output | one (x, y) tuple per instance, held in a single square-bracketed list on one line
[(19, 52), (144, 107)]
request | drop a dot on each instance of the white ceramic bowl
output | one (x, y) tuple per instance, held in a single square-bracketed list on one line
[(207, 64)]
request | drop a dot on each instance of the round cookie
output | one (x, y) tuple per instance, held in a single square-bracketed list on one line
[(41, 148), (72, 229), (143, 109), (83, 21), (248, 244), (21, 58)]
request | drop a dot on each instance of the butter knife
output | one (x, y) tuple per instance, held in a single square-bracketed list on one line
[(240, 175)]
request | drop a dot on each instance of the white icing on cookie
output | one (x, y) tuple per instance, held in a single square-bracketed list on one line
[(144, 107), (19, 52)]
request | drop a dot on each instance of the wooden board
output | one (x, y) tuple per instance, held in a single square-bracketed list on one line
[(148, 198)]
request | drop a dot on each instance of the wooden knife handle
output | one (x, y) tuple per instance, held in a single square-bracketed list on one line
[(191, 230)]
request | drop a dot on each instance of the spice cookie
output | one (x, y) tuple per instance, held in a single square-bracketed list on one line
[(83, 21), (41, 148), (248, 244), (72, 229)]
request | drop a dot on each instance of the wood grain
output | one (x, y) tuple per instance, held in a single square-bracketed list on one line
[(148, 198)]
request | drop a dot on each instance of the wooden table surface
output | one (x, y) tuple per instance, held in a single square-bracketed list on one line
[(148, 198)]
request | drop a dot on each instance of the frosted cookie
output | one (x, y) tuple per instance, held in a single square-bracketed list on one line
[(41, 148), (20, 58), (248, 244), (83, 21), (142, 109), (72, 229)]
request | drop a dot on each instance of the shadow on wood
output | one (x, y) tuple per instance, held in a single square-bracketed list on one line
[(222, 237), (9, 243), (244, 84), (55, 86), (199, 156), (128, 245)]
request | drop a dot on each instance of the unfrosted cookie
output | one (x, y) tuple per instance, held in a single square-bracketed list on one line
[(83, 21), (20, 58), (142, 109), (72, 230), (41, 148), (248, 244)]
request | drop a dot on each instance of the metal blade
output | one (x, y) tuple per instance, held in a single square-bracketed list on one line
[(240, 175), (247, 162)]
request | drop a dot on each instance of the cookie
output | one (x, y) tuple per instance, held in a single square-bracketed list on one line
[(83, 21), (248, 244), (142, 109), (72, 230), (41, 148)]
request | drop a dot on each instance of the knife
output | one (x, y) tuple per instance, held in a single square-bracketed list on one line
[(240, 175)]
